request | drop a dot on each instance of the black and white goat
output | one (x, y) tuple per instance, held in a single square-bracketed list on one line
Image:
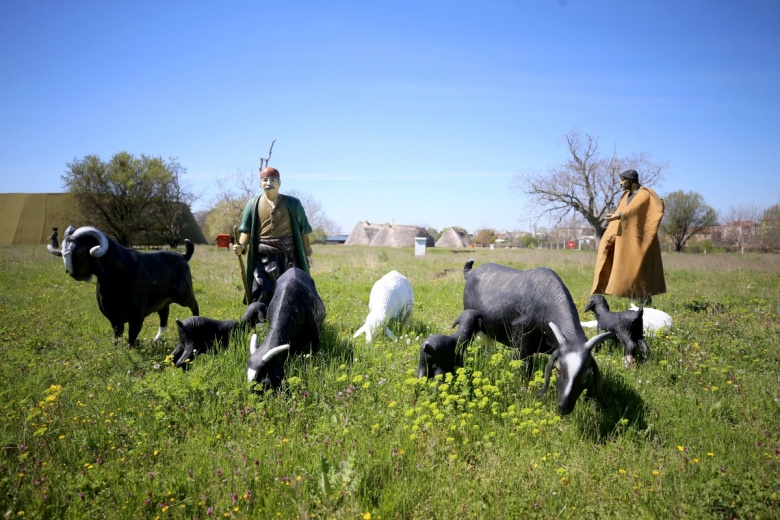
[(295, 315), (198, 335), (130, 285), (440, 354), (627, 326), (534, 312)]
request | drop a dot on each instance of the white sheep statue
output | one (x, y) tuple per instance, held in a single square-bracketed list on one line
[(392, 297)]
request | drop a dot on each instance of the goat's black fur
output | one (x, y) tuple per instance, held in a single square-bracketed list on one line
[(440, 354), (625, 325)]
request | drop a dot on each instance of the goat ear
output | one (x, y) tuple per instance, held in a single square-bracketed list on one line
[(253, 344), (557, 333), (595, 340), (428, 348)]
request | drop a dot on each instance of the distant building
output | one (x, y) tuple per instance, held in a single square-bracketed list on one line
[(336, 239)]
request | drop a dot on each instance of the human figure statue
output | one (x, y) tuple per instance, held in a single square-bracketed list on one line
[(55, 243), (629, 257), (274, 232)]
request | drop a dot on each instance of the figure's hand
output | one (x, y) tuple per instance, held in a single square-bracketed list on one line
[(309, 261), (612, 216), (239, 249)]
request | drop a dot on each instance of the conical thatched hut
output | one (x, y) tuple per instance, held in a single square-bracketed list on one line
[(454, 237), (363, 233), (387, 235)]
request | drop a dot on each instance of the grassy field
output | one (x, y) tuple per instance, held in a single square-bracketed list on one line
[(93, 430)]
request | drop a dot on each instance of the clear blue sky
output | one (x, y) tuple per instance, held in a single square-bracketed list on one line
[(413, 112)]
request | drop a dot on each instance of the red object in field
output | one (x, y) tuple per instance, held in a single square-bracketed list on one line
[(570, 244), (223, 240)]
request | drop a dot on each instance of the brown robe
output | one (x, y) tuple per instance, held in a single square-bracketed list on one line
[(629, 259)]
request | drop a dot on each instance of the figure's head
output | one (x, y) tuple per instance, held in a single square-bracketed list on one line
[(628, 178), (270, 182)]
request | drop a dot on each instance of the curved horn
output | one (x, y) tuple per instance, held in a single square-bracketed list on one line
[(102, 247), (253, 344), (547, 373), (595, 340), (558, 334), (54, 250), (274, 351)]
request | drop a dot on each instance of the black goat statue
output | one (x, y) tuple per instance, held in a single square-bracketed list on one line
[(626, 326), (534, 312), (130, 285), (198, 335), (440, 354), (295, 316)]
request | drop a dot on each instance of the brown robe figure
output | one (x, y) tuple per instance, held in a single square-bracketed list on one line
[(629, 259)]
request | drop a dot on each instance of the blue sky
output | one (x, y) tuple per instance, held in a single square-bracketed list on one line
[(413, 112)]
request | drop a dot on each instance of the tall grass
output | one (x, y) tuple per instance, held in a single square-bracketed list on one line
[(93, 430)]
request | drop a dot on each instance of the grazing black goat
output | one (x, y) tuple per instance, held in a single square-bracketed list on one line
[(198, 335), (295, 316), (534, 312), (440, 354), (626, 326), (130, 285)]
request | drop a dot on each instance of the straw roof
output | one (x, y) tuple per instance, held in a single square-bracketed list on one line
[(454, 237), (387, 235)]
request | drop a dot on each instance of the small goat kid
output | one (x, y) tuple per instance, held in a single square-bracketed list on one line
[(440, 354), (198, 335), (626, 326)]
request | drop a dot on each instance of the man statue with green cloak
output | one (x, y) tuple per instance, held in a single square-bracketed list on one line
[(274, 233)]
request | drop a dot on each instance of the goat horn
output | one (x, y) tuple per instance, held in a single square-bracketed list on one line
[(547, 373), (253, 344), (271, 353), (557, 333), (102, 247), (595, 340)]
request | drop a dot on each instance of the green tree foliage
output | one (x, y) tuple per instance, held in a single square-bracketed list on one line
[(587, 184), (770, 227), (128, 195), (485, 237), (685, 215)]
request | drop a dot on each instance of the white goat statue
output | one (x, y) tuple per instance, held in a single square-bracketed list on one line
[(391, 297)]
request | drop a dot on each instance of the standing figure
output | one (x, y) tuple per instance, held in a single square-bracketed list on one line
[(55, 243), (629, 258), (275, 233)]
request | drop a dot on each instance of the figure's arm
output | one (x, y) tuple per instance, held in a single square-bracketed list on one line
[(306, 245), (240, 248)]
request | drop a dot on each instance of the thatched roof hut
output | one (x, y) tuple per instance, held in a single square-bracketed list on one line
[(363, 233), (454, 237), (388, 235)]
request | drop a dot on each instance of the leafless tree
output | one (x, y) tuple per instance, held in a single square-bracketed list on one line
[(741, 226), (234, 191), (770, 227), (586, 184)]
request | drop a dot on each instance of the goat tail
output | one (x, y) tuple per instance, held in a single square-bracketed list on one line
[(189, 249), (467, 268)]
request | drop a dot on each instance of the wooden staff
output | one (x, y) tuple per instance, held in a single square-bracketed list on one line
[(243, 271)]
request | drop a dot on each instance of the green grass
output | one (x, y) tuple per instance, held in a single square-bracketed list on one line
[(93, 430)]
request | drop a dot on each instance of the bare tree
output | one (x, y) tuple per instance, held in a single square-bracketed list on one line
[(586, 184), (236, 190), (685, 215), (741, 226)]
